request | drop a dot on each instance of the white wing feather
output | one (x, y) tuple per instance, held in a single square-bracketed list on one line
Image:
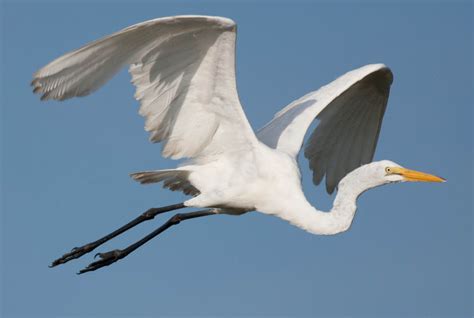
[(350, 112), (184, 72)]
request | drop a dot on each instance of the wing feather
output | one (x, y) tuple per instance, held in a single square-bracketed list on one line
[(341, 143), (350, 111), (331, 133), (184, 71)]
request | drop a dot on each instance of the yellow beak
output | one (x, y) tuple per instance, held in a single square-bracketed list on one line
[(416, 176)]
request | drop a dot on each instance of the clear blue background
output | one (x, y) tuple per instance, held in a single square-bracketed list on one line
[(65, 171)]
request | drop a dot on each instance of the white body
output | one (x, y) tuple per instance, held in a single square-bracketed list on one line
[(247, 179), (183, 68)]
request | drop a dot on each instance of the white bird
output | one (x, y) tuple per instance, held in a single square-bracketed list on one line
[(183, 68)]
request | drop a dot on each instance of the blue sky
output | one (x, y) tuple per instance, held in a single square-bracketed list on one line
[(65, 171)]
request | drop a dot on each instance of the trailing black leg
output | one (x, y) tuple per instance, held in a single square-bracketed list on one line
[(148, 215), (111, 257)]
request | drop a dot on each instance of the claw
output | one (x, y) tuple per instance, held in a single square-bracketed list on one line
[(106, 259), (76, 252)]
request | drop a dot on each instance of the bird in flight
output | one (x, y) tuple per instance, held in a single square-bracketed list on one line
[(183, 68)]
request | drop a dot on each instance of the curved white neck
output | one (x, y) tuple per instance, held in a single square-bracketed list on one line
[(339, 219)]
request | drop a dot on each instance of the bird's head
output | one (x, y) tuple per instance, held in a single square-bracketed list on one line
[(384, 172)]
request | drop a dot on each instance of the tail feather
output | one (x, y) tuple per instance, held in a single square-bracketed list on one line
[(175, 180)]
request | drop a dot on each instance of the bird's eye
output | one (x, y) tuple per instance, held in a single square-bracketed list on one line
[(388, 170)]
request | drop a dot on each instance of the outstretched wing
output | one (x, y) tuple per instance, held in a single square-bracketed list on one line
[(350, 112), (184, 71)]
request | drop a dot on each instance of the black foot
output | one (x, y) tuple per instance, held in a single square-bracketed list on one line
[(73, 254), (105, 260)]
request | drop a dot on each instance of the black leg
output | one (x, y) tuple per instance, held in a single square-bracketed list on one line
[(111, 257), (148, 215)]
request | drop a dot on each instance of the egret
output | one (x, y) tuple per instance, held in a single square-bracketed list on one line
[(183, 68)]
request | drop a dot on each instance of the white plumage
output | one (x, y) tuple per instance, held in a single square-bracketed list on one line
[(184, 71)]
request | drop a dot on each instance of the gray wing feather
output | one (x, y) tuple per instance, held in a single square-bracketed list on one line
[(347, 133)]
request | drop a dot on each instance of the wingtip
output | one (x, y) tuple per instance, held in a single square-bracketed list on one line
[(330, 189), (36, 89)]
